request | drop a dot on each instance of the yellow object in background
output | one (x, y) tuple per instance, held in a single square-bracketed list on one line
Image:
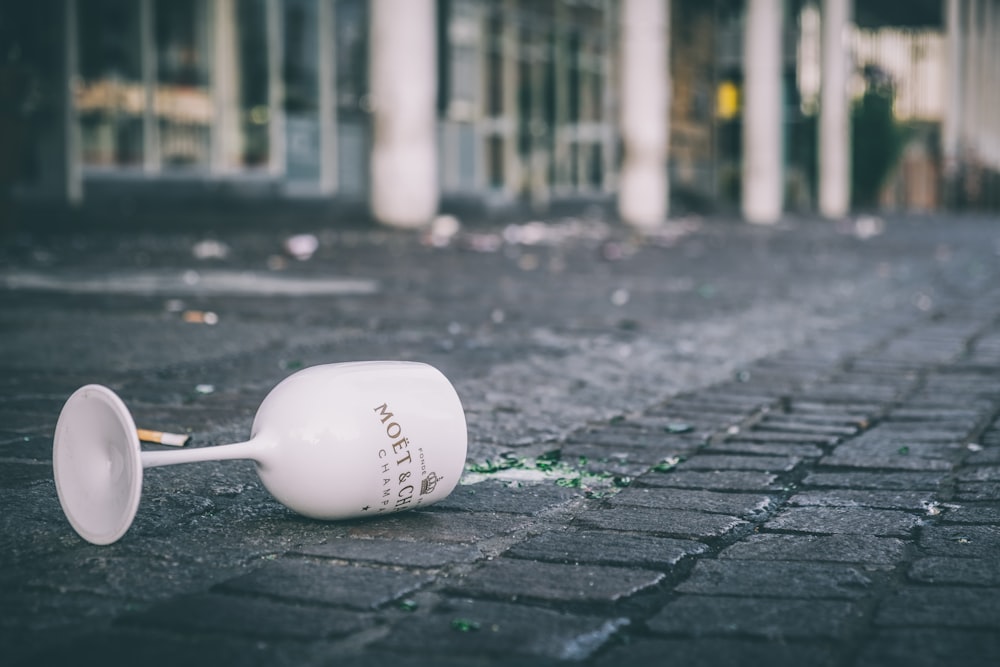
[(727, 100)]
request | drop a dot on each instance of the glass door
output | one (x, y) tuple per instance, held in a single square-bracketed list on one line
[(353, 105), (184, 105), (581, 54), (254, 111), (536, 100), (109, 96), (301, 79)]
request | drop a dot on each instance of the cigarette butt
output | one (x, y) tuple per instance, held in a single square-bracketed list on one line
[(200, 317), (160, 438)]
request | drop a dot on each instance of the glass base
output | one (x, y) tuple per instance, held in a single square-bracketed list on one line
[(97, 465)]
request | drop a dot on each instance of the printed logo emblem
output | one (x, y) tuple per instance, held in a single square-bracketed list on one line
[(428, 483)]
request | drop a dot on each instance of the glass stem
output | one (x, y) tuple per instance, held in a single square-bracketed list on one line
[(251, 449)]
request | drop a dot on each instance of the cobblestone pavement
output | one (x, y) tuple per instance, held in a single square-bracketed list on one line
[(719, 445)]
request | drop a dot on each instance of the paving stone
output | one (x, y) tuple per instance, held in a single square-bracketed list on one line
[(977, 491), (709, 413), (751, 393), (513, 579), (979, 474), (904, 481), (764, 449), (30, 423), (445, 526), (851, 394), (707, 460), (133, 576), (667, 423), (715, 651), (156, 649), (896, 456), (773, 437), (958, 385), (748, 578), (960, 541), (34, 450), (247, 616), (22, 475), (882, 365), (922, 401), (861, 549), (802, 427), (690, 428), (32, 620), (989, 514), (743, 505), (802, 407), (810, 420), (629, 437), (940, 607), (497, 496), (727, 480), (931, 647), (988, 456), (969, 571), (675, 523), (606, 548), (718, 398), (351, 586), (844, 521), (774, 619), (927, 431), (380, 653), (499, 629), (603, 458), (908, 415), (921, 432), (392, 552), (903, 500), (787, 378)]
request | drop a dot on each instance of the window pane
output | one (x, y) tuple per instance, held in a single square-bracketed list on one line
[(353, 122), (495, 161), (302, 130), (494, 63), (352, 56), (184, 104), (255, 116), (110, 98)]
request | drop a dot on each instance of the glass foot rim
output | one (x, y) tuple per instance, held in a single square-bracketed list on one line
[(97, 464)]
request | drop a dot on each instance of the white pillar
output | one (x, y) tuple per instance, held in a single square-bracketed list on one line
[(983, 111), (147, 59), (403, 62), (995, 83), (327, 73), (277, 159), (951, 124), (991, 83), (971, 80), (226, 135), (643, 187), (981, 132), (834, 118), (763, 153)]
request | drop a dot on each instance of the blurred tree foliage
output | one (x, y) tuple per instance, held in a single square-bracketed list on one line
[(877, 140)]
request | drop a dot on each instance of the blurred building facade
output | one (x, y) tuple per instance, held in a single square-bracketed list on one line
[(528, 100)]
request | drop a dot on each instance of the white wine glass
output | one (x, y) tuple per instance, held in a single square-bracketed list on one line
[(335, 441)]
